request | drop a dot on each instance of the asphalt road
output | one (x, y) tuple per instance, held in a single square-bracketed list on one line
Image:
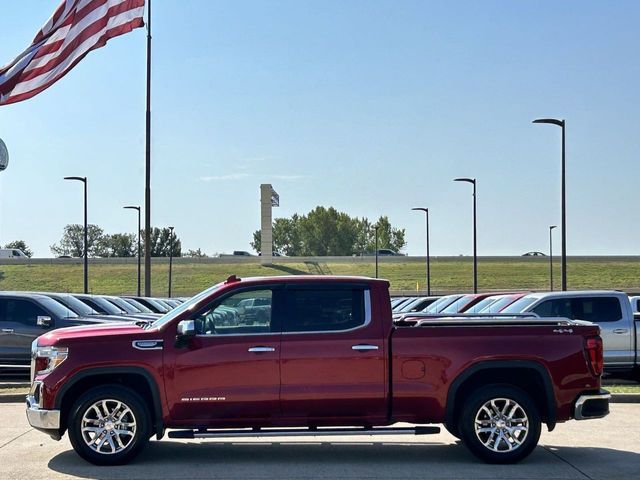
[(599, 449)]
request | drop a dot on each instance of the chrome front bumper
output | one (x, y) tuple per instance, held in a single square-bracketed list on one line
[(592, 405), (42, 419)]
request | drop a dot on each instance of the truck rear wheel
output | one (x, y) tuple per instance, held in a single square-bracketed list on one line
[(500, 424), (109, 425)]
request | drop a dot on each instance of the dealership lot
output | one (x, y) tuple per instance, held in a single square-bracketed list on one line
[(599, 449)]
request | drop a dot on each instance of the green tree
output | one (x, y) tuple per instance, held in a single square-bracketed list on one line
[(118, 245), (195, 254), (388, 237), (20, 245), (72, 241), (161, 243)]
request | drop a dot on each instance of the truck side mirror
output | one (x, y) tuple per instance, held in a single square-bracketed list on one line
[(186, 330), (43, 321)]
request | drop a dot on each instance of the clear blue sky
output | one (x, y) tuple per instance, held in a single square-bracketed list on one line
[(372, 107)]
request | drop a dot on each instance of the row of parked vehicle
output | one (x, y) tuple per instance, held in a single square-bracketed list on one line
[(615, 312), (27, 315)]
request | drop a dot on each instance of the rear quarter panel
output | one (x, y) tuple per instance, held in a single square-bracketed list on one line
[(427, 360)]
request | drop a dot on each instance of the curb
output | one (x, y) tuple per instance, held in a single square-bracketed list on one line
[(13, 398), (625, 398)]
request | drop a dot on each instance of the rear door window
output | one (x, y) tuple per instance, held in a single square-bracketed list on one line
[(323, 309), (597, 309)]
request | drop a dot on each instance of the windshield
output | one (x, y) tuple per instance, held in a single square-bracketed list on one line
[(458, 305), (122, 305), (478, 307), (57, 309), (188, 305), (102, 305), (438, 305), (74, 304), (155, 306), (519, 306), (498, 305), (409, 305), (138, 305)]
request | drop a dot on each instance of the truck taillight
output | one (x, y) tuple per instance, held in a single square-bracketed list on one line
[(595, 355)]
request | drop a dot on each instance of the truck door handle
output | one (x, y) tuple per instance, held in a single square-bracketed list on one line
[(620, 331), (363, 347), (261, 349), (7, 330)]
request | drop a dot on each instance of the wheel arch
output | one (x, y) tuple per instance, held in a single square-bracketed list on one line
[(137, 379), (529, 375)]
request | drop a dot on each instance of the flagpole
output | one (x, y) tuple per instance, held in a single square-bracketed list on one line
[(147, 185)]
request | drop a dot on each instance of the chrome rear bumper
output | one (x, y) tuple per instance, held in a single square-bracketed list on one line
[(592, 405)]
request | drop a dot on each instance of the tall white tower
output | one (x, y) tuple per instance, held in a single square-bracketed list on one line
[(268, 199)]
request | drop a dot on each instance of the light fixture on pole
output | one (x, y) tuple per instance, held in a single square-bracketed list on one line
[(426, 211), (170, 258), (133, 207), (475, 237), (85, 254), (563, 261), (551, 227)]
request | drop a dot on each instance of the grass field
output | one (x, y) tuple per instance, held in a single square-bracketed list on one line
[(448, 274)]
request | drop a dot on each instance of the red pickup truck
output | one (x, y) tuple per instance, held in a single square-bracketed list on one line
[(267, 356)]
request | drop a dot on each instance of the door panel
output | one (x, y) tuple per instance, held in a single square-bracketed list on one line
[(331, 376), (218, 378), (230, 372)]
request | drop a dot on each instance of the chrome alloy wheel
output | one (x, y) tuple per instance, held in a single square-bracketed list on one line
[(501, 425), (108, 426)]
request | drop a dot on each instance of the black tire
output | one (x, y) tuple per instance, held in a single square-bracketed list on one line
[(131, 416), (506, 441), (453, 430)]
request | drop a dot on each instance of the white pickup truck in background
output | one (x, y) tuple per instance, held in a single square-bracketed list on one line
[(612, 310)]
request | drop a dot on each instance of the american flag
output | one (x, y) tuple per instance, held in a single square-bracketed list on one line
[(75, 28)]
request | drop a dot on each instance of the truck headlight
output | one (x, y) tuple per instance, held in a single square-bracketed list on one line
[(46, 359)]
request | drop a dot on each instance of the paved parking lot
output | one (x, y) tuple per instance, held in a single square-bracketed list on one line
[(599, 449)]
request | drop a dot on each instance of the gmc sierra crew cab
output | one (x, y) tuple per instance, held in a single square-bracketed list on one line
[(312, 355)]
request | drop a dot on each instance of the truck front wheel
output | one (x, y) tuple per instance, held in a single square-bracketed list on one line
[(500, 424), (109, 425)]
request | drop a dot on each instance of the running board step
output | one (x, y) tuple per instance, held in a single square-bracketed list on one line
[(301, 432)]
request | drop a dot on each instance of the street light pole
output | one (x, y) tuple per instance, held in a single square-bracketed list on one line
[(563, 261), (376, 228), (551, 227), (426, 211), (475, 232), (86, 259), (170, 257), (132, 207)]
